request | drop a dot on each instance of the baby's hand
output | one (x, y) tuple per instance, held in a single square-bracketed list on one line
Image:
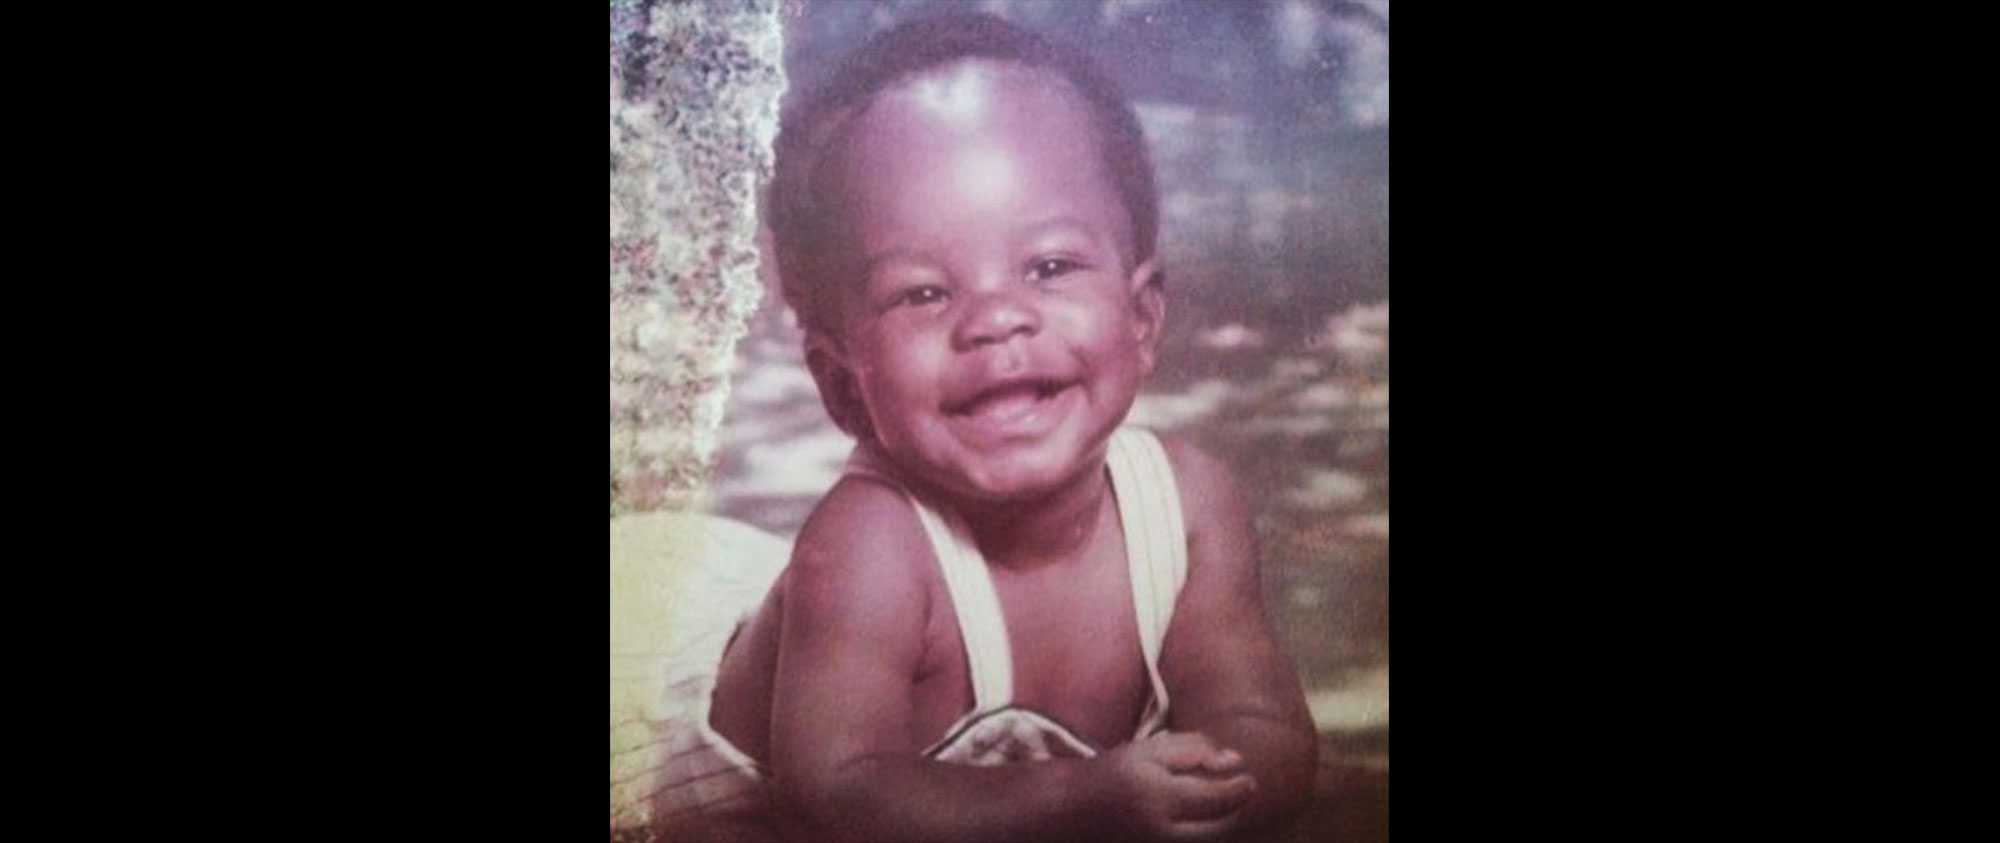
[(1178, 786)]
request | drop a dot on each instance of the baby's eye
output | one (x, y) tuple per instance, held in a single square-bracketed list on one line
[(1047, 268), (919, 296)]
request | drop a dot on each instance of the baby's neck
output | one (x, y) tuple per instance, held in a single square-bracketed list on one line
[(1043, 531)]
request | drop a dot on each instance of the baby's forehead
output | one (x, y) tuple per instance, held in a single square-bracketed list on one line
[(1028, 126), (974, 116)]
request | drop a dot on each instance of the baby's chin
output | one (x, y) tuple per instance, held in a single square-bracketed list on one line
[(1016, 475)]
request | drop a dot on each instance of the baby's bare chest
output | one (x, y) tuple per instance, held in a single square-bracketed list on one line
[(1074, 647)]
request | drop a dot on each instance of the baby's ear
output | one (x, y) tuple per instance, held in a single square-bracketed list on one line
[(1149, 309), (838, 389)]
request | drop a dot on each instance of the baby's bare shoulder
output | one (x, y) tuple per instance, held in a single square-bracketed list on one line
[(863, 540), (1210, 497)]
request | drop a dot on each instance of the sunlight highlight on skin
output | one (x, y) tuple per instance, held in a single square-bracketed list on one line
[(959, 97)]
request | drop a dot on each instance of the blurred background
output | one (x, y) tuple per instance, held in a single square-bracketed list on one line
[(1269, 123)]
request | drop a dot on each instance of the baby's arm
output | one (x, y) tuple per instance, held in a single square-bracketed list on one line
[(852, 638), (1226, 676)]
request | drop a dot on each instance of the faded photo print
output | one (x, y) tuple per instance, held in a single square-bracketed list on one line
[(999, 420)]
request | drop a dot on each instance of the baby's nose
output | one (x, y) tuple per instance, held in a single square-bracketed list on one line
[(997, 318)]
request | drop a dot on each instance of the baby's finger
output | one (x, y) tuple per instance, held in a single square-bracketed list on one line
[(1180, 752), (1222, 763), (1201, 799)]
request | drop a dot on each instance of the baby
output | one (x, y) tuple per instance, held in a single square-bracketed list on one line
[(965, 223)]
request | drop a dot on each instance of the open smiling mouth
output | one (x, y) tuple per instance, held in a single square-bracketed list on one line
[(1024, 407)]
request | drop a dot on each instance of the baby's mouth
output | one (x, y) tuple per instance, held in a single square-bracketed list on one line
[(1008, 402)]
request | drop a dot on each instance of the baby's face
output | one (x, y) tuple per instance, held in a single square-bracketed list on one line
[(995, 329)]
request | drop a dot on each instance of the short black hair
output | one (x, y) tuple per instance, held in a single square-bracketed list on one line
[(801, 225)]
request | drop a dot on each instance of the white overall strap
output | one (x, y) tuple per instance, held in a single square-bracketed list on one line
[(1149, 504), (980, 624)]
